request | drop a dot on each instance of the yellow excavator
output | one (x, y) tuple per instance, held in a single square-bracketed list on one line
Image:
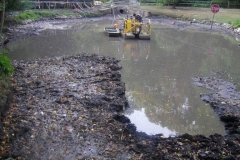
[(131, 27)]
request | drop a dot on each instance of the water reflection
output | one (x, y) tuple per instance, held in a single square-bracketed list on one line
[(157, 73), (160, 81), (140, 119)]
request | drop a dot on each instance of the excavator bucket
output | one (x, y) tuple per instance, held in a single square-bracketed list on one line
[(146, 29)]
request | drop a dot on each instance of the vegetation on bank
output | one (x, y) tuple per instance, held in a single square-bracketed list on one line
[(192, 3), (32, 15), (5, 70), (235, 23), (38, 14), (198, 10), (5, 67), (230, 16)]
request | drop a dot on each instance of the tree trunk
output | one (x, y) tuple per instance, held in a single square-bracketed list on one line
[(174, 5), (2, 12)]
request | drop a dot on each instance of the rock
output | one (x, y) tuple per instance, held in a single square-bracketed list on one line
[(237, 30), (202, 155), (122, 119), (226, 25), (27, 21), (61, 17), (229, 158)]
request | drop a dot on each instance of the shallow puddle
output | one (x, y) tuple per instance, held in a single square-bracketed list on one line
[(157, 73)]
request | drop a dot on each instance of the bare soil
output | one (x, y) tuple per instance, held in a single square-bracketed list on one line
[(71, 108)]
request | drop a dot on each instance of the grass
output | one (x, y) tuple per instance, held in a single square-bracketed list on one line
[(33, 15), (236, 23), (231, 16), (37, 14)]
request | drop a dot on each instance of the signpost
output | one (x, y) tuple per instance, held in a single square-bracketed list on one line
[(214, 9)]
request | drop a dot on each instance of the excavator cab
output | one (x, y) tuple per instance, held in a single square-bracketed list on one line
[(136, 27), (138, 17)]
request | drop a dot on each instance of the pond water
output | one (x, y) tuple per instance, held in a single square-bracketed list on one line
[(157, 73)]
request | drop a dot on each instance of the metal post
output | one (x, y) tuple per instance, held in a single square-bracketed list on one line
[(212, 20)]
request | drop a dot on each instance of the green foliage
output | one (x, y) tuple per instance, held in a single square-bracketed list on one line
[(5, 66), (236, 23), (203, 4), (37, 14), (166, 2), (33, 15), (159, 4), (219, 2), (29, 15), (18, 5), (227, 4), (152, 4), (1, 6)]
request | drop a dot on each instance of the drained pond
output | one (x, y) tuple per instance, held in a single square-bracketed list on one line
[(157, 73)]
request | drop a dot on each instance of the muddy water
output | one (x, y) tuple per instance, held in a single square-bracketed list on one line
[(157, 73)]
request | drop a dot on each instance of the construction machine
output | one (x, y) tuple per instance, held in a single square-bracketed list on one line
[(131, 27)]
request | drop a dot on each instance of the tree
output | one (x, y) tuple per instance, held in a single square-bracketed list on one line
[(173, 2), (2, 12), (5, 66), (18, 5)]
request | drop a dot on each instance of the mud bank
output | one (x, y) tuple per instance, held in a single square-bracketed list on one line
[(34, 28), (64, 107), (225, 100), (224, 29), (70, 108)]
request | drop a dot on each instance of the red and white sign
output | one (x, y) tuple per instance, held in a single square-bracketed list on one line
[(215, 8)]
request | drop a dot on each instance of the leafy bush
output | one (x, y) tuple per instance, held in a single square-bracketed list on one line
[(159, 4), (5, 66), (203, 5), (29, 15), (45, 13)]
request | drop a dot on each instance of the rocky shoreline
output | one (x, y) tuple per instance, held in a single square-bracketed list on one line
[(225, 101), (205, 26)]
